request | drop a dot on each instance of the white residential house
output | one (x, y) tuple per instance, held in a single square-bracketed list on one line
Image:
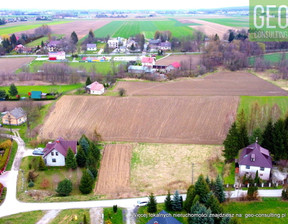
[(95, 88), (254, 158), (55, 152), (113, 43), (91, 47), (56, 55)]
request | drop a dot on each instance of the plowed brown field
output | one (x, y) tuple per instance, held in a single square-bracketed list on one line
[(114, 174), (164, 119), (9, 65), (178, 58), (218, 84)]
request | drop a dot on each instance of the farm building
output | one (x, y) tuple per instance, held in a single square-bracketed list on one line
[(136, 69), (16, 116), (254, 158), (91, 47), (22, 49), (36, 95), (163, 218), (173, 66), (53, 56), (95, 88), (55, 152)]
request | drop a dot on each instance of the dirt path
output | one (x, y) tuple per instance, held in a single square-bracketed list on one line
[(49, 216), (96, 215)]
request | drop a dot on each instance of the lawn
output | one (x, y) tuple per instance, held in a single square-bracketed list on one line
[(109, 215), (273, 58), (130, 28), (12, 155), (143, 216), (173, 163), (37, 42), (23, 218), (24, 90), (234, 22), (270, 206), (99, 67), (71, 216), (25, 27)]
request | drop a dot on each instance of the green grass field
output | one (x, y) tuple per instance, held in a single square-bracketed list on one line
[(68, 216), (23, 218), (247, 101), (268, 206), (109, 215), (234, 22), (37, 42), (129, 28), (99, 67), (273, 58), (25, 27), (24, 90)]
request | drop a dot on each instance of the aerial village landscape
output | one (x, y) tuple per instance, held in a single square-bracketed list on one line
[(142, 116)]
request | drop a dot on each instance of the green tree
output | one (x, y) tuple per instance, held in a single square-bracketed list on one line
[(219, 189), (225, 220), (84, 143), (214, 206), (42, 44), (268, 137), (242, 130), (231, 36), (152, 204), (252, 192), (85, 219), (2, 94), (13, 90), (70, 160), (256, 136), (231, 144), (121, 92), (176, 203), (86, 183), (88, 81), (41, 165), (74, 37), (191, 193), (257, 179), (168, 202), (202, 189), (280, 140), (13, 40), (64, 187), (204, 219), (81, 157)]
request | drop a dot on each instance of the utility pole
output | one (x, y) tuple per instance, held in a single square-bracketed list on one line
[(192, 173)]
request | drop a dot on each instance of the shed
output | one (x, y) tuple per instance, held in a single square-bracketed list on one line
[(36, 94)]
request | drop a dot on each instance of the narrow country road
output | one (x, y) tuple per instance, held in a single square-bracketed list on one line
[(12, 206)]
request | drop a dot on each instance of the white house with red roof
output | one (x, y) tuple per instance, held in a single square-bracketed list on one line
[(56, 152), (95, 88), (148, 61), (174, 66), (56, 55)]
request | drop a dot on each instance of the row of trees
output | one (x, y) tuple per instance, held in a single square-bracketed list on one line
[(2, 21), (273, 136), (205, 197)]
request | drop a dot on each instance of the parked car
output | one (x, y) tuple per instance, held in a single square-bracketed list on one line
[(141, 203), (38, 152)]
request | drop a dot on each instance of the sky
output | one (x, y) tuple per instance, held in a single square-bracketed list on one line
[(121, 4)]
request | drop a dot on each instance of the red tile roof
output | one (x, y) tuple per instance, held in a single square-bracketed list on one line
[(147, 60), (176, 64), (61, 146), (96, 86)]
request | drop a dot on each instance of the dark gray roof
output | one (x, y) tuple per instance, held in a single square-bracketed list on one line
[(255, 155), (91, 45), (17, 112), (152, 41), (163, 218)]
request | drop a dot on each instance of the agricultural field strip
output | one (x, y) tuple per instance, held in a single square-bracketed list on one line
[(10, 65), (130, 28), (143, 119), (229, 21), (21, 28)]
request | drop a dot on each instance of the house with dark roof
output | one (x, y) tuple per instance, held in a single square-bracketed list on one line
[(17, 116), (163, 218), (56, 152), (91, 47), (54, 45), (255, 158), (165, 46)]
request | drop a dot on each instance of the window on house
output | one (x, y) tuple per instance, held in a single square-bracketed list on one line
[(52, 153), (56, 153), (261, 174), (53, 160), (262, 168), (247, 167)]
